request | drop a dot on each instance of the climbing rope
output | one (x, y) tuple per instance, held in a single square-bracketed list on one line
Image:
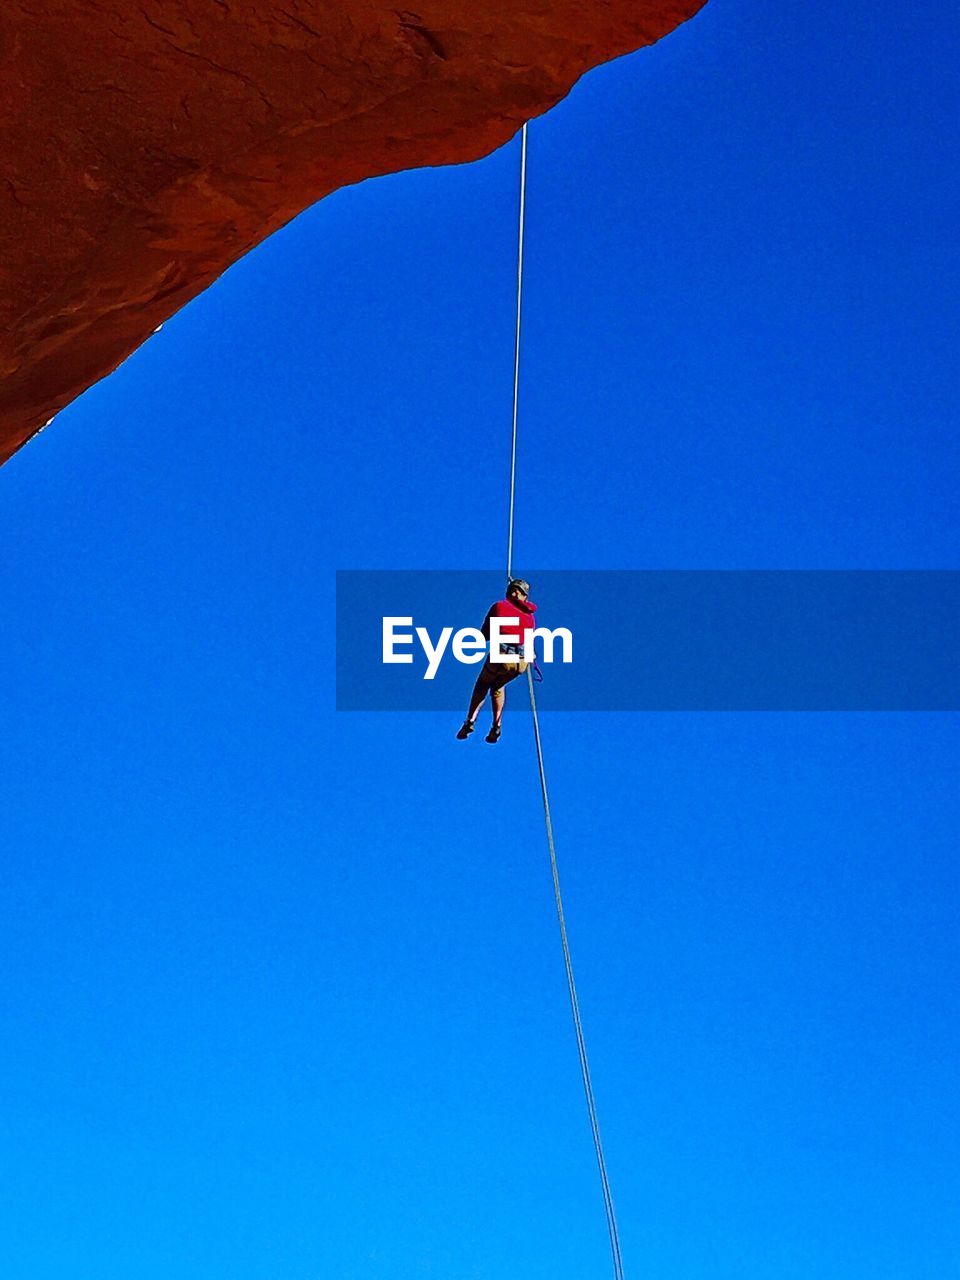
[(574, 1002), (516, 347), (548, 821)]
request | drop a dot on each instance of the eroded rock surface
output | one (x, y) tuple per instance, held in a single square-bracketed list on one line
[(147, 144)]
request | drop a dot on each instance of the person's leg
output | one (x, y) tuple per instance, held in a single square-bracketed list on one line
[(497, 695), (480, 691), (497, 700)]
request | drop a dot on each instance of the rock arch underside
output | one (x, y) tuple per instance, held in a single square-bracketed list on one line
[(148, 144)]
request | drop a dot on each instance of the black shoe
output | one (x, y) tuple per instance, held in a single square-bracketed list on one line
[(465, 729), (494, 734)]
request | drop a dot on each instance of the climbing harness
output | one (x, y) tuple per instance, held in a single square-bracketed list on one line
[(548, 821)]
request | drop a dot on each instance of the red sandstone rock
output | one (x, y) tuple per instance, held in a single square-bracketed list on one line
[(147, 144)]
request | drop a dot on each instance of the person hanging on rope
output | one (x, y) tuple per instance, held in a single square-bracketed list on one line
[(494, 676)]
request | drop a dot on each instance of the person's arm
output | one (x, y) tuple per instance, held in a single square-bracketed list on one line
[(485, 629)]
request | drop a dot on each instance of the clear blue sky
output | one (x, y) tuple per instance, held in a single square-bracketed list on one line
[(280, 989)]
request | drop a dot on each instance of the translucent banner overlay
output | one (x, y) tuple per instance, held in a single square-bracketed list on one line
[(670, 640)]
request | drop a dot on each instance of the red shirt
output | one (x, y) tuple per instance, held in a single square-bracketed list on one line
[(522, 614)]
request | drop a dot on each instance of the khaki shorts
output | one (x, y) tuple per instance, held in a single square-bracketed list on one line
[(496, 674)]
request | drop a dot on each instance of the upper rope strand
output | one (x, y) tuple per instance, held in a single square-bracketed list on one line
[(548, 821), (516, 346)]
